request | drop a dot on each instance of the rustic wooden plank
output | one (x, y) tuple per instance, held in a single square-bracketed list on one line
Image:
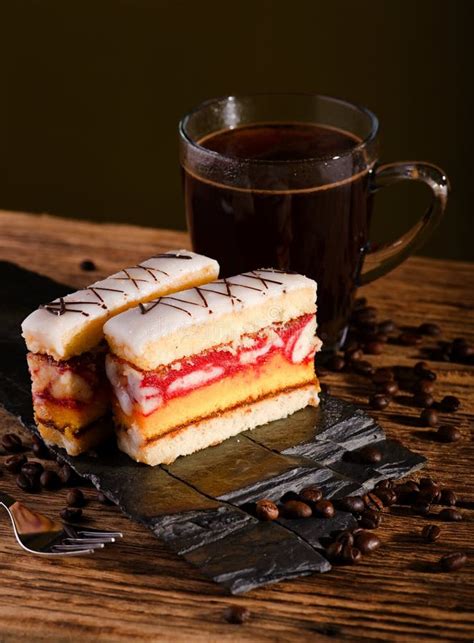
[(139, 589)]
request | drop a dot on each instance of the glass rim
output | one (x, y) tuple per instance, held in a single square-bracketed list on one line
[(364, 143)]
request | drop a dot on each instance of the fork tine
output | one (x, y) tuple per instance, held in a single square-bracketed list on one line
[(100, 534), (70, 552), (87, 546), (87, 541)]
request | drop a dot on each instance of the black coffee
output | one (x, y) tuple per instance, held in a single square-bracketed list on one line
[(320, 232)]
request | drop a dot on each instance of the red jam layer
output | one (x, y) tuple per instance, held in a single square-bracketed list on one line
[(151, 389)]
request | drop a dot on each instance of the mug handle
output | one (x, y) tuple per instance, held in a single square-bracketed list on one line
[(386, 257)]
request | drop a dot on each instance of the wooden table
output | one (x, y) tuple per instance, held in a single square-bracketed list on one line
[(139, 589)]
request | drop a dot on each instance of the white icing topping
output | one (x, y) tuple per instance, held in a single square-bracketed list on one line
[(137, 329), (52, 327)]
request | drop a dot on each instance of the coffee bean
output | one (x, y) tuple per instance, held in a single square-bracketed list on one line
[(433, 330), (374, 348), (289, 495), (379, 401), (387, 496), (49, 480), (421, 508), (15, 462), (367, 542), (424, 386), (388, 388), (387, 326), (345, 538), (450, 515), (420, 367), (431, 533), (324, 509), (12, 443), (383, 374), (67, 475), (372, 501), (26, 483), (450, 404), (350, 555), (311, 494), (71, 514), (429, 417), (102, 498), (448, 498), (365, 315), (336, 363), (370, 519), (87, 265), (447, 433), (75, 498), (352, 504), (363, 367), (409, 339), (236, 614), (452, 562), (427, 375), (32, 470), (264, 509), (384, 485), (296, 509), (425, 483), (333, 551), (428, 495), (369, 455), (41, 451), (425, 400)]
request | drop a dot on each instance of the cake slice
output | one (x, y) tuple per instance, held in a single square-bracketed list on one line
[(67, 352), (192, 369)]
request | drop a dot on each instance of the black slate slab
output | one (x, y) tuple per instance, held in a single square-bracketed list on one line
[(195, 504)]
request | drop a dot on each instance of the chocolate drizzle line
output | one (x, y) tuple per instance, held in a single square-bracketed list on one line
[(60, 307), (163, 301)]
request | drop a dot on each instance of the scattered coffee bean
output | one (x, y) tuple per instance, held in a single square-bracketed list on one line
[(311, 494), (296, 509), (420, 367), (369, 455), (374, 348), (425, 483), (49, 480), (424, 386), (367, 542), (365, 315), (370, 519), (352, 504), (384, 485), (333, 550), (41, 451), (353, 355), (429, 417), (450, 404), (324, 509), (12, 443), (350, 555), (87, 265), (372, 501), (345, 538), (446, 433), (236, 614), (67, 475), (428, 375), (26, 483), (379, 401), (336, 363), (264, 509), (363, 367), (409, 339), (71, 514), (75, 498), (428, 495), (388, 388), (448, 498), (383, 374), (433, 330), (452, 562), (425, 400), (421, 508), (387, 326), (32, 470), (15, 462), (387, 496), (450, 515), (431, 533)]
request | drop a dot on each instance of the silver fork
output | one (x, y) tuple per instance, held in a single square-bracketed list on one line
[(38, 534)]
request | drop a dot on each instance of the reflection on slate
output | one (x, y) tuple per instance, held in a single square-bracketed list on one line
[(194, 505)]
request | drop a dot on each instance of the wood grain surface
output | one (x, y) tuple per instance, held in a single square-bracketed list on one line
[(140, 590)]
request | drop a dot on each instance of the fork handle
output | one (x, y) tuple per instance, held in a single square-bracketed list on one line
[(6, 500)]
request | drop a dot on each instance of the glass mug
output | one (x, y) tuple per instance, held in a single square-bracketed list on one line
[(287, 181)]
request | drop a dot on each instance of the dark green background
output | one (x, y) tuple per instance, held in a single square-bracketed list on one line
[(92, 93)]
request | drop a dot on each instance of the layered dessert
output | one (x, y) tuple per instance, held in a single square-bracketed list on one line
[(192, 369), (67, 349)]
